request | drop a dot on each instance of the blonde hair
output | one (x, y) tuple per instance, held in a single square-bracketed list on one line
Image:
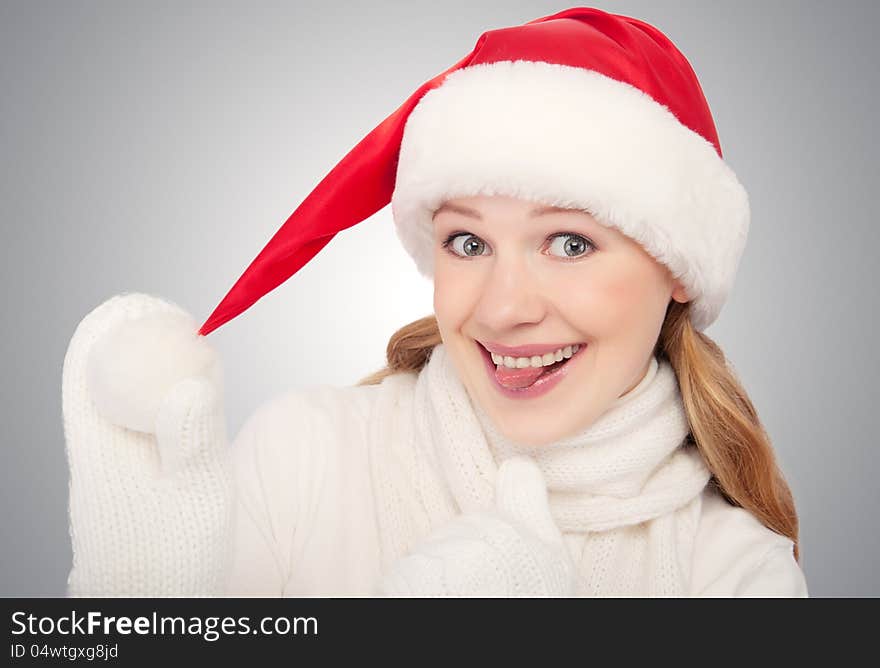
[(723, 422)]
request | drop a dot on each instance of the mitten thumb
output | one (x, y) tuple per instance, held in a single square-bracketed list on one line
[(191, 426), (521, 493)]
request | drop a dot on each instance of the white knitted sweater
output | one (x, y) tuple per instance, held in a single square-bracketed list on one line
[(336, 484), (327, 490)]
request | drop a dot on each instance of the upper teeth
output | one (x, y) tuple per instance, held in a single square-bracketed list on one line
[(535, 360)]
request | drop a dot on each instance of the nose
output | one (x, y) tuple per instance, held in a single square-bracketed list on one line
[(511, 296)]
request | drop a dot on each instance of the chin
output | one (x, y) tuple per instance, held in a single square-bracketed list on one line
[(534, 436), (546, 423)]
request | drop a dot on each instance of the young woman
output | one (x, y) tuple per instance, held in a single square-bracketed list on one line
[(560, 426)]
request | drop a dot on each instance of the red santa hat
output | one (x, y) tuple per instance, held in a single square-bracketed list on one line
[(581, 109)]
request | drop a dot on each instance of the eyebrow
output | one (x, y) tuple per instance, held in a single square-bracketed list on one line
[(471, 213)]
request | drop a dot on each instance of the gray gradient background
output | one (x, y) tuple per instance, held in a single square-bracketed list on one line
[(157, 147)]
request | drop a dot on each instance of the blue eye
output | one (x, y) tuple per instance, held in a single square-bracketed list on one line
[(575, 247), (465, 244), (471, 246)]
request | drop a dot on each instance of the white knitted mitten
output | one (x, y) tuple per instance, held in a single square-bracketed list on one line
[(151, 491), (515, 549)]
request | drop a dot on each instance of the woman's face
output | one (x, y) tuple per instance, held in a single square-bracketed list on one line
[(515, 273)]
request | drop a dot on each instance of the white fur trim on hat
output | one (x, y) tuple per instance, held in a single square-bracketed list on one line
[(572, 137)]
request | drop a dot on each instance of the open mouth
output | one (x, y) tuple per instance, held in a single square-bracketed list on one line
[(520, 380)]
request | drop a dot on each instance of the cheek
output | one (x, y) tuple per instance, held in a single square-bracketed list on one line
[(451, 299), (618, 303)]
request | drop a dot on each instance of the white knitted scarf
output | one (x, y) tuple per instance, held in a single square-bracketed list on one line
[(625, 491)]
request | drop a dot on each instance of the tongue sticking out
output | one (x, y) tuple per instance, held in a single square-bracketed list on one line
[(520, 378)]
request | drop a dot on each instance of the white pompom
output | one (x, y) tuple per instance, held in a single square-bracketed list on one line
[(132, 367)]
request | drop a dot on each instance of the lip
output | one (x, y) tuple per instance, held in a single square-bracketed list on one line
[(525, 351), (540, 387)]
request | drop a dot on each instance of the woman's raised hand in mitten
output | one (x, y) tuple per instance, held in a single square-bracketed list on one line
[(515, 549), (151, 491)]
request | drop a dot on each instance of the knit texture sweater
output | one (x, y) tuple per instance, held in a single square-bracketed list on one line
[(336, 484), (332, 491)]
